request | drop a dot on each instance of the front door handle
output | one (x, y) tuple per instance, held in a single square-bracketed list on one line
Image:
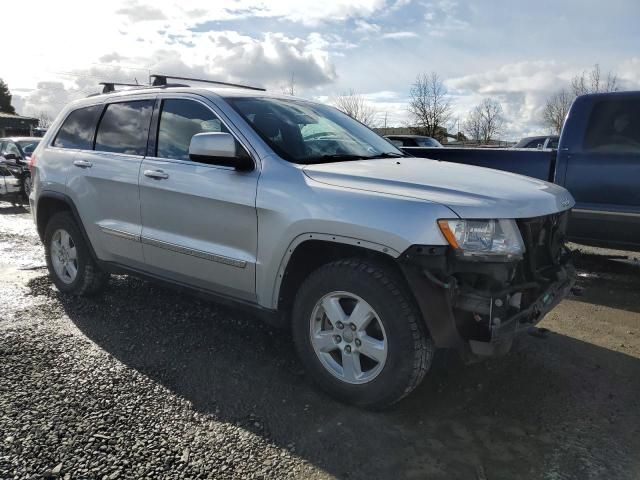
[(82, 164), (157, 174)]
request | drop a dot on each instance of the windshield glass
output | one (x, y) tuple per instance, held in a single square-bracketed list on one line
[(428, 142), (304, 132), (28, 146)]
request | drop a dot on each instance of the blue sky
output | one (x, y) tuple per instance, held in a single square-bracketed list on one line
[(518, 52)]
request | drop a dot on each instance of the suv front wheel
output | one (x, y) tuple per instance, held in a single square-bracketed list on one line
[(359, 333), (70, 264)]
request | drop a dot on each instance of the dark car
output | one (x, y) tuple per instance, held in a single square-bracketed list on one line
[(538, 142), (15, 153), (413, 141), (18, 148)]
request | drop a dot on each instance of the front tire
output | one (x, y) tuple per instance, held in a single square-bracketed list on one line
[(359, 333), (69, 260)]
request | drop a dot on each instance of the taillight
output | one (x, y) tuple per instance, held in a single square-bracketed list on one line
[(32, 163)]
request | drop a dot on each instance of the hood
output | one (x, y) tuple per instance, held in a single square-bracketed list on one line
[(470, 191)]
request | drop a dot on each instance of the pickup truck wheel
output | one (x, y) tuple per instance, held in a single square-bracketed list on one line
[(70, 264), (359, 334)]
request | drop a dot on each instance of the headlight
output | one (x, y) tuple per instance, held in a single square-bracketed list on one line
[(483, 237)]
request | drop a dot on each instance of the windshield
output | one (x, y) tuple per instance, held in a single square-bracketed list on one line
[(305, 132), (28, 146), (428, 142)]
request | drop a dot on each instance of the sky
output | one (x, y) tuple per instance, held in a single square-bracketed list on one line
[(518, 52)]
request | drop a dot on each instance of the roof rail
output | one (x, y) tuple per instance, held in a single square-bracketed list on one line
[(161, 81), (108, 87)]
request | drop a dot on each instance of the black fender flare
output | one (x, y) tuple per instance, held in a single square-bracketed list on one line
[(61, 197)]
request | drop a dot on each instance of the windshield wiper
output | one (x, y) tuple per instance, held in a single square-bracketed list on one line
[(389, 155), (338, 157), (335, 158)]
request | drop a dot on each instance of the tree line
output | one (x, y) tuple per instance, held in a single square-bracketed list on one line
[(431, 111)]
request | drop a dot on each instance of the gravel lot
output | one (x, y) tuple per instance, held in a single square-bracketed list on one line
[(148, 382)]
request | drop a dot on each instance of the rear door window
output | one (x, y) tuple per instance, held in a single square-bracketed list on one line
[(180, 120), (614, 127), (79, 128), (124, 127)]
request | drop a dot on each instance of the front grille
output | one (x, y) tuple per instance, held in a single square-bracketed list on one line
[(544, 239)]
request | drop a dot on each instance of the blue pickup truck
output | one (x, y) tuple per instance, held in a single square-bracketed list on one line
[(597, 160)]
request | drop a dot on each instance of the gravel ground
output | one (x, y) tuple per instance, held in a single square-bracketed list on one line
[(145, 382)]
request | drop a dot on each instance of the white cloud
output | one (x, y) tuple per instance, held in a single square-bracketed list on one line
[(227, 56), (400, 35), (443, 17), (137, 12)]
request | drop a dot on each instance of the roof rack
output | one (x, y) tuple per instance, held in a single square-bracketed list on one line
[(161, 81), (108, 87)]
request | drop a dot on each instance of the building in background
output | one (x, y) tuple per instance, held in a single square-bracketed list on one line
[(12, 125)]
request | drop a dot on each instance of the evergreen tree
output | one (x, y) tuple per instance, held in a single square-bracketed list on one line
[(5, 99)]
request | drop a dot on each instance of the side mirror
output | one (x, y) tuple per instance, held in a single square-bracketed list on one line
[(218, 148)]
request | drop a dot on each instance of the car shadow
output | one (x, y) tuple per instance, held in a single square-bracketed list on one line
[(612, 281), (6, 208), (552, 405)]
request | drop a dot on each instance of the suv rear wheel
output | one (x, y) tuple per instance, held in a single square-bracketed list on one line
[(70, 264), (359, 333)]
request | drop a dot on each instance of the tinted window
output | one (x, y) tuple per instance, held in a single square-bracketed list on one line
[(124, 127), (427, 142), (78, 129), (614, 127), (28, 146), (179, 121), (553, 142), (11, 148)]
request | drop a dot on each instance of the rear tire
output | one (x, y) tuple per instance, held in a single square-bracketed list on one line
[(359, 333), (69, 259)]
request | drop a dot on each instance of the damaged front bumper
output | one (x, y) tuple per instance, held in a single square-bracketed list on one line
[(478, 307)]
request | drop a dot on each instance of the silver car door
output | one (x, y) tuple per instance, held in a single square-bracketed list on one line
[(199, 223)]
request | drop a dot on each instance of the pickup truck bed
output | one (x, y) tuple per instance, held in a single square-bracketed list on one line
[(532, 163)]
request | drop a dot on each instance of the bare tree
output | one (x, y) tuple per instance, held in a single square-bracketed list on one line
[(556, 110), (593, 82), (473, 125), (44, 120), (429, 105), (290, 87), (486, 121), (355, 105), (557, 106)]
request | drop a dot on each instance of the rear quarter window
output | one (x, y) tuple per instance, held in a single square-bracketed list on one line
[(124, 127), (613, 127), (78, 129)]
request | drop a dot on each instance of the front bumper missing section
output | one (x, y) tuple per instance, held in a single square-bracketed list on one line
[(502, 331), (481, 322)]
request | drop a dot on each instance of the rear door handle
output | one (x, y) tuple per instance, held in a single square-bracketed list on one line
[(157, 174), (82, 164)]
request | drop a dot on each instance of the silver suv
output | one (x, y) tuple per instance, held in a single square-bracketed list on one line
[(373, 258)]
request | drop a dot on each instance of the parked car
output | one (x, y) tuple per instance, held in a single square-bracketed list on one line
[(10, 184), (598, 161), (16, 152), (292, 208), (540, 143), (413, 141)]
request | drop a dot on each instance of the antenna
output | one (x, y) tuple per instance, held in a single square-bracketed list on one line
[(161, 81)]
